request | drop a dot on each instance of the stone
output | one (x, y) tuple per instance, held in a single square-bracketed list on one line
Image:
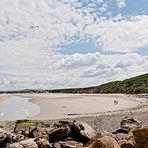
[(104, 142), (3, 138), (59, 133), (28, 143), (141, 137), (21, 127), (137, 138), (84, 130), (42, 142), (15, 145), (127, 144), (13, 137), (71, 144), (39, 132), (57, 145), (130, 123)]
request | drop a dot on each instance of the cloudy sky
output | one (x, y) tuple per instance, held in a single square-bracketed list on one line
[(52, 44)]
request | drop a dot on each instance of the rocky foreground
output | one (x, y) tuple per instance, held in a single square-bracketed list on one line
[(74, 134)]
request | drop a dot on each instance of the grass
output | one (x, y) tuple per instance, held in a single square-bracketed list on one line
[(133, 85)]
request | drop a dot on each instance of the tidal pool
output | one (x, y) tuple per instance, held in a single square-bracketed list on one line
[(17, 107)]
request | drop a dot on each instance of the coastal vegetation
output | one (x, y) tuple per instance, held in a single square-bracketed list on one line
[(134, 85)]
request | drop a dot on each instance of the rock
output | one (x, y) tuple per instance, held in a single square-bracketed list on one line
[(15, 145), (137, 138), (39, 132), (42, 143), (13, 137), (104, 142), (130, 123), (59, 133), (21, 127), (127, 144), (121, 130), (3, 138), (71, 144), (56, 145), (85, 131), (102, 134), (28, 143)]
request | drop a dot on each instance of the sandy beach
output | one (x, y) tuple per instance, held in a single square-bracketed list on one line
[(56, 106)]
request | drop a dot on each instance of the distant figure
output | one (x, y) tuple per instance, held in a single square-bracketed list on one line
[(115, 102)]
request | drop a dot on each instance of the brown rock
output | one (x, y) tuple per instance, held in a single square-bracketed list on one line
[(104, 142), (141, 137), (39, 132), (128, 144), (130, 123), (13, 137), (15, 145), (59, 133), (29, 143), (137, 138), (21, 127), (84, 130), (3, 138), (42, 142), (71, 144), (56, 145)]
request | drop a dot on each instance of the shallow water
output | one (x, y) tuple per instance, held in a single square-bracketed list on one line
[(17, 107)]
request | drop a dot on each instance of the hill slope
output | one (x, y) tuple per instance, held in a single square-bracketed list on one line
[(133, 85)]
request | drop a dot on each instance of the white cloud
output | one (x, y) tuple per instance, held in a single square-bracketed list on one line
[(121, 3), (96, 65), (30, 31), (122, 35)]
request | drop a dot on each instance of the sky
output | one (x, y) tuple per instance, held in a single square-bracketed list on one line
[(50, 44)]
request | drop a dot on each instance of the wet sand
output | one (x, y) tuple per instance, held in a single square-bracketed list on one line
[(56, 106)]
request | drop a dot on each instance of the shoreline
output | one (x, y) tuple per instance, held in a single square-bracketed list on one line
[(45, 100)]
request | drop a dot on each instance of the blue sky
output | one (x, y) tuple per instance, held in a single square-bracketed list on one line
[(132, 8), (48, 44)]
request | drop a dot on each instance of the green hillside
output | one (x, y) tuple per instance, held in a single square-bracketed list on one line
[(137, 84), (133, 85)]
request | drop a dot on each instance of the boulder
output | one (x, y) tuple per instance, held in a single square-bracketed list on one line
[(85, 131), (3, 138), (128, 144), (71, 144), (13, 137), (59, 133), (15, 145), (39, 132), (104, 142), (42, 142), (28, 143), (57, 145), (130, 123), (137, 138), (141, 137)]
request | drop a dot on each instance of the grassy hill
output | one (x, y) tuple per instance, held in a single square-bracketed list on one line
[(133, 85), (137, 84)]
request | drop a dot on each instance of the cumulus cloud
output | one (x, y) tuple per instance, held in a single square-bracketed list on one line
[(31, 31), (121, 3), (119, 34)]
